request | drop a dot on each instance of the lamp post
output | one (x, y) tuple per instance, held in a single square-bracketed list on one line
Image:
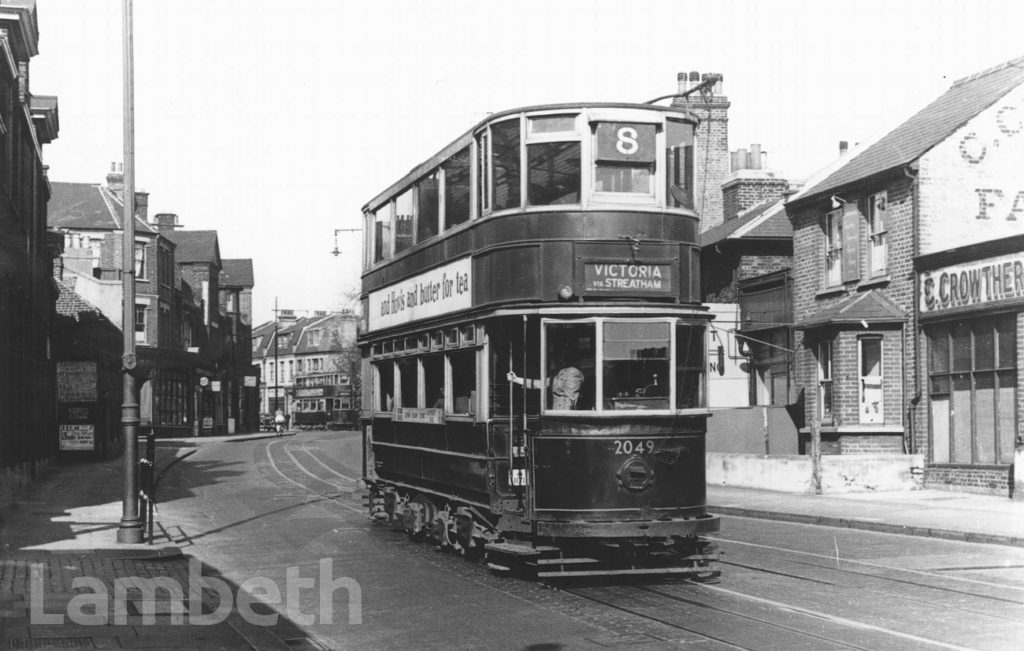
[(336, 252), (130, 528)]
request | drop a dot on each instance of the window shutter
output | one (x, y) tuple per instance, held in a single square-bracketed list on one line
[(851, 242)]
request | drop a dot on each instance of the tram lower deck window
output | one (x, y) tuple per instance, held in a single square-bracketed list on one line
[(463, 364)]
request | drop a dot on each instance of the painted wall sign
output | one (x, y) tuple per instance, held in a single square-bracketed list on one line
[(76, 381), (627, 278), (971, 182), (974, 283), (77, 437), (436, 292)]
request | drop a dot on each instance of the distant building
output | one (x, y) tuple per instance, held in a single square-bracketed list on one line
[(313, 368), (28, 294)]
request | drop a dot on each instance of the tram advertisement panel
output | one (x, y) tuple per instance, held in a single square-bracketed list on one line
[(436, 292)]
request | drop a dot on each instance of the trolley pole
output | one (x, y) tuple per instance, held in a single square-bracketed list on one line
[(130, 528)]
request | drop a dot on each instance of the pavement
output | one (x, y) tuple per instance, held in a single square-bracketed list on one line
[(60, 563)]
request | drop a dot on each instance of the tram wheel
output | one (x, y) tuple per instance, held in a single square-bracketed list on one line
[(420, 513)]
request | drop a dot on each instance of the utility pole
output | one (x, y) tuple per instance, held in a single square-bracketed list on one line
[(277, 368), (130, 528)]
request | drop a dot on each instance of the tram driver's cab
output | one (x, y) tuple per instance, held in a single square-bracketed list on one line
[(607, 364)]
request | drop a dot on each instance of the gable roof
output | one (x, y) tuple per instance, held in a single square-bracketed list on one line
[(88, 206), (196, 246), (766, 220), (236, 273), (871, 307), (906, 143)]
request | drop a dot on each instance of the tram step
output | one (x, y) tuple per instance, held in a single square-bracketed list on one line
[(519, 550), (565, 561)]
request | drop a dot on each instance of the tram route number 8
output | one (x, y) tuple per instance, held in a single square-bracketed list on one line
[(629, 446)]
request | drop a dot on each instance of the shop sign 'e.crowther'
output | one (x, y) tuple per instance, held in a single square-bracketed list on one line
[(973, 284)]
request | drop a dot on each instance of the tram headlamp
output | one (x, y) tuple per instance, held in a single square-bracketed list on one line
[(565, 292)]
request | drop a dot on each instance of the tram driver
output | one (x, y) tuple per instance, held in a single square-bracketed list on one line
[(565, 386)]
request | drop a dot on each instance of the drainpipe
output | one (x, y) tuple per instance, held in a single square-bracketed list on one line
[(910, 171)]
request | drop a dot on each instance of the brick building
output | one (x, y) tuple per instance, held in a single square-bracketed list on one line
[(192, 357), (27, 293), (909, 287)]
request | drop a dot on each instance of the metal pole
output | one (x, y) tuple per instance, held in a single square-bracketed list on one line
[(130, 529), (277, 369)]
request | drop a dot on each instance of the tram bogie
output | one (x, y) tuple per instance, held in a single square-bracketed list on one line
[(534, 346)]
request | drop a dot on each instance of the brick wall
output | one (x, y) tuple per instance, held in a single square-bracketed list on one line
[(984, 480)]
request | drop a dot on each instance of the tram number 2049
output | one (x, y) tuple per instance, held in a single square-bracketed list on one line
[(629, 446)]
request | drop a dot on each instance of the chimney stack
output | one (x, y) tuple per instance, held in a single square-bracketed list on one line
[(166, 222), (115, 178), (751, 182)]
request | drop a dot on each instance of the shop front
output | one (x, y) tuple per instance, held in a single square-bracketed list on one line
[(972, 316)]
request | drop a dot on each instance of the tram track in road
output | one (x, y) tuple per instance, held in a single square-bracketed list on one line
[(334, 491), (745, 621), (867, 572)]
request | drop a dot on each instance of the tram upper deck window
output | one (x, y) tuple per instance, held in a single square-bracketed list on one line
[(505, 165), (427, 201), (553, 156), (636, 364), (624, 162), (679, 164), (382, 233), (404, 221), (456, 188)]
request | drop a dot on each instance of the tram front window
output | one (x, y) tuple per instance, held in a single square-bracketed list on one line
[(570, 360), (690, 347), (636, 365)]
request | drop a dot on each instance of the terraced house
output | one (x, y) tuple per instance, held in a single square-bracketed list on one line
[(909, 288)]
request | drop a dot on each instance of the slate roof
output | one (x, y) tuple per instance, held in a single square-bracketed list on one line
[(87, 206), (872, 307), (933, 124), (236, 273), (195, 246), (767, 220)]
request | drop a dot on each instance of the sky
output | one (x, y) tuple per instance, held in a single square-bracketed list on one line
[(274, 122)]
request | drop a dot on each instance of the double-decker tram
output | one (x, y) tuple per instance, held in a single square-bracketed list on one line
[(534, 345)]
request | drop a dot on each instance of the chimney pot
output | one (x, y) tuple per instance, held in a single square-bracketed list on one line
[(681, 80), (844, 147), (755, 157), (694, 77)]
